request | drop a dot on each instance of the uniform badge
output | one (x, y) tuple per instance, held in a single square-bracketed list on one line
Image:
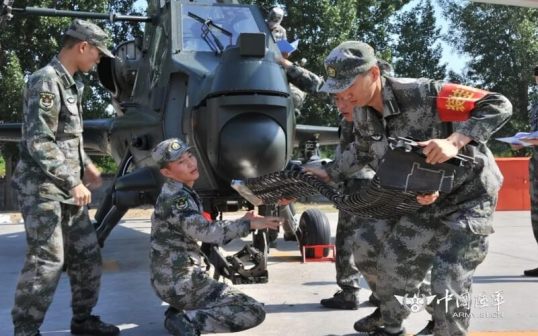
[(46, 100), (175, 146), (182, 203), (376, 137), (71, 100), (331, 71)]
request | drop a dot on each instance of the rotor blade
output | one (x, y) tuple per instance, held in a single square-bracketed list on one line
[(325, 135)]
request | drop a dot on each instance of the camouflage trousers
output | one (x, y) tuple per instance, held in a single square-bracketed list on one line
[(366, 244), (57, 234), (212, 306), (413, 247), (533, 175), (347, 273)]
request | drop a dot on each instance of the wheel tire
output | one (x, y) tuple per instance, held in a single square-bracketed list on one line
[(315, 230)]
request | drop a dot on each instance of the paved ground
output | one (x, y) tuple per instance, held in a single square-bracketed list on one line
[(294, 289)]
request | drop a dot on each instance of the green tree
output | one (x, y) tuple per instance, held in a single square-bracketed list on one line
[(372, 24), (417, 50), (502, 42)]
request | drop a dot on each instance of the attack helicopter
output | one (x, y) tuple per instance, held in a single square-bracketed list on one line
[(205, 72)]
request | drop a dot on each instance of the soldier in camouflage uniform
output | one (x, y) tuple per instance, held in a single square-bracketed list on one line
[(52, 194), (349, 177), (274, 20), (198, 303), (533, 171), (449, 234), (342, 171)]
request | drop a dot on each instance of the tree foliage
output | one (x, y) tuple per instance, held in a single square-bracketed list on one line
[(28, 43), (417, 50), (502, 42), (34, 40)]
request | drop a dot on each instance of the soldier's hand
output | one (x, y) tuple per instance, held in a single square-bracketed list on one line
[(441, 150), (81, 195), (319, 173), (427, 199), (285, 201), (438, 150), (92, 177), (259, 223)]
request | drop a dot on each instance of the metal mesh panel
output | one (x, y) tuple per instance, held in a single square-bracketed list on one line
[(371, 201)]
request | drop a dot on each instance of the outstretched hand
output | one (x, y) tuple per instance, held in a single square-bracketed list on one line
[(258, 222), (319, 173)]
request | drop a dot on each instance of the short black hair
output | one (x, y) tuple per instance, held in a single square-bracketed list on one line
[(70, 41)]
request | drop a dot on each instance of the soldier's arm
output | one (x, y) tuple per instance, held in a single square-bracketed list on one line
[(483, 113), (86, 161), (350, 155), (488, 111), (197, 227), (41, 123), (305, 80)]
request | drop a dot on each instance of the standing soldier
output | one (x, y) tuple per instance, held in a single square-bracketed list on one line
[(198, 303), (343, 171), (450, 232), (533, 171), (52, 192)]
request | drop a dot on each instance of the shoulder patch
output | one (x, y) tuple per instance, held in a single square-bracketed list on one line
[(455, 102), (182, 202), (46, 100)]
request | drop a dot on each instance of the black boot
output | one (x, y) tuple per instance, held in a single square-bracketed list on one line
[(93, 326), (428, 329), (374, 300), (342, 300), (369, 323), (178, 324), (382, 332), (531, 272)]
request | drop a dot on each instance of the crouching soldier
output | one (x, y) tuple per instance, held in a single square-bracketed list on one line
[(198, 303)]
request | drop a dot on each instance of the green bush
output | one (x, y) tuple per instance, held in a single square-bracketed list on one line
[(2, 167), (105, 164)]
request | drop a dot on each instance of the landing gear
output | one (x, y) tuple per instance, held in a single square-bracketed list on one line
[(314, 229)]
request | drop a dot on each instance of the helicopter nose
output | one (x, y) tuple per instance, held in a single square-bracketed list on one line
[(251, 145)]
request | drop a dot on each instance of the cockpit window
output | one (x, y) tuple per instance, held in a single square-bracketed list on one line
[(234, 20)]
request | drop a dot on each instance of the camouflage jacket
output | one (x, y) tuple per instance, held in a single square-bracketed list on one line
[(177, 225), (533, 117), (301, 82), (305, 80), (343, 166), (52, 158), (411, 110)]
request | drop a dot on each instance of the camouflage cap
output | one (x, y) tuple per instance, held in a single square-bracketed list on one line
[(345, 62), (91, 33), (169, 150)]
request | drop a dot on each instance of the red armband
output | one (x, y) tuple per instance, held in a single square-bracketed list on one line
[(207, 216), (455, 102)]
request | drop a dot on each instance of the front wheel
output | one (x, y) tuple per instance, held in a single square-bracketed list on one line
[(315, 230)]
